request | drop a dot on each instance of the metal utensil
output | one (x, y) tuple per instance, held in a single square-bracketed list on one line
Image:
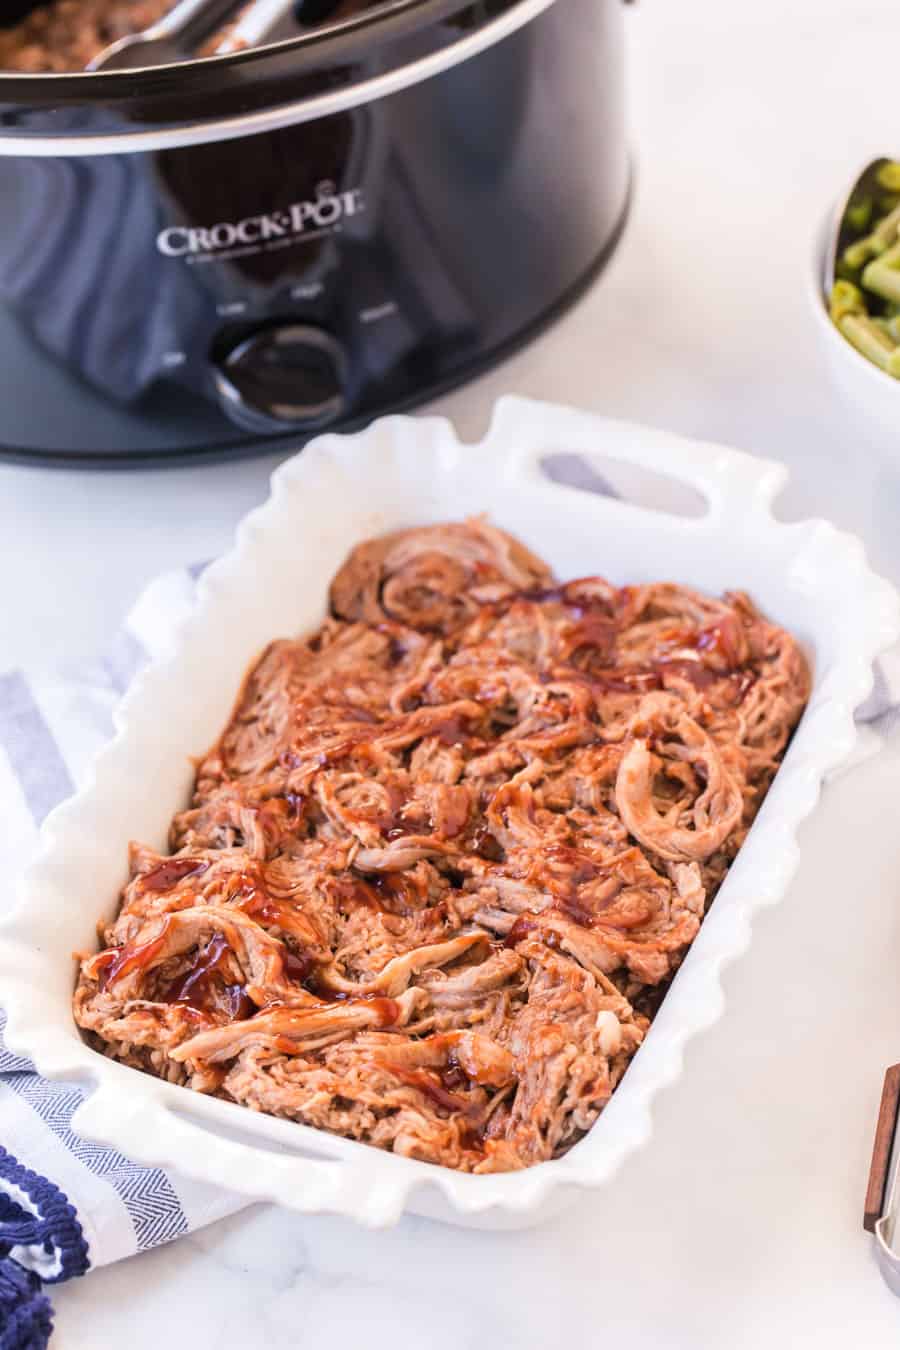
[(263, 21), (174, 38), (865, 185), (882, 1207)]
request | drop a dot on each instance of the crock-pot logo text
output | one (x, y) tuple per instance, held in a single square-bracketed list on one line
[(321, 214)]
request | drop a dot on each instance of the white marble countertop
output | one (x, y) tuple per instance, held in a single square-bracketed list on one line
[(741, 1224)]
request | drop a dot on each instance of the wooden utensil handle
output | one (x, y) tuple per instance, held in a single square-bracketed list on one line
[(881, 1152)]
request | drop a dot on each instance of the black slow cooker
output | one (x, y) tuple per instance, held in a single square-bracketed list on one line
[(201, 257)]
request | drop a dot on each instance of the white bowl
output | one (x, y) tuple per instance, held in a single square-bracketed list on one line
[(871, 389)]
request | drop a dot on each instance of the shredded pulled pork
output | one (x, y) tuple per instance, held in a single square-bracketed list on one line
[(449, 850), (66, 35)]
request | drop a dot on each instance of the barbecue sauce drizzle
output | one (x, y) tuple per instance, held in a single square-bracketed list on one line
[(704, 657)]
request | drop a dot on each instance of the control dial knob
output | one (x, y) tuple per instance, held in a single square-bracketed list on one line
[(283, 377)]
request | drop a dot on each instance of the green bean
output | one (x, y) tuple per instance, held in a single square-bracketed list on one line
[(872, 245), (885, 232), (859, 214), (868, 339), (845, 299), (889, 176), (857, 254), (883, 275)]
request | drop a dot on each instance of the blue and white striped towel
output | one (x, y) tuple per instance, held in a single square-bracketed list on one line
[(65, 1204)]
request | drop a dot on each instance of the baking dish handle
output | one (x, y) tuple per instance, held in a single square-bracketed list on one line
[(734, 484), (162, 1136)]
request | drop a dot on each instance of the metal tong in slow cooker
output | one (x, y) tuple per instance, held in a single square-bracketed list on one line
[(183, 31)]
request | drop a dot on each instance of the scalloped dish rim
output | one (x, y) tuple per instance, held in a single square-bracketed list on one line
[(421, 459)]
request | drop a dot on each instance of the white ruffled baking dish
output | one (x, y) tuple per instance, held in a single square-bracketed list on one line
[(410, 471)]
